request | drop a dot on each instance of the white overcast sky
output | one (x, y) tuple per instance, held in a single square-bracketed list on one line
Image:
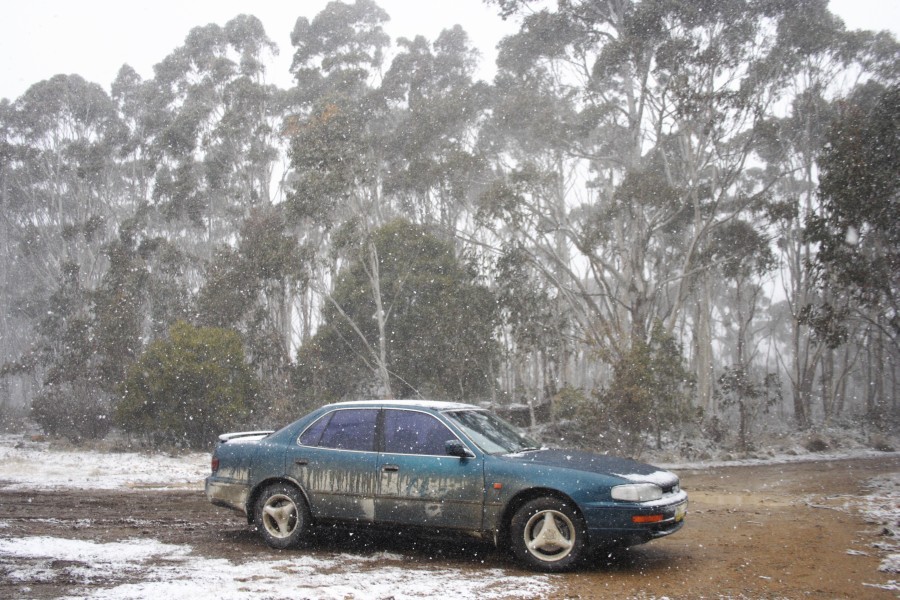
[(94, 38)]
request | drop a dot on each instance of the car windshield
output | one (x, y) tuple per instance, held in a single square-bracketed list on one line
[(491, 433)]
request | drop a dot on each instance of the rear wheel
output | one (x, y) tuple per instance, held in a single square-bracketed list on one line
[(282, 516), (548, 534)]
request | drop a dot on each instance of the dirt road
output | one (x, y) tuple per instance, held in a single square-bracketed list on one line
[(774, 531)]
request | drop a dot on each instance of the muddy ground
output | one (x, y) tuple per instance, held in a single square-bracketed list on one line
[(773, 531)]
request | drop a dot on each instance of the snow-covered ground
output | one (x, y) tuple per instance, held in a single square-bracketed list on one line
[(882, 509), (174, 572), (26, 464)]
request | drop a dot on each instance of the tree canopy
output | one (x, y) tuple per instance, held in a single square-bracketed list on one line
[(439, 323), (858, 226)]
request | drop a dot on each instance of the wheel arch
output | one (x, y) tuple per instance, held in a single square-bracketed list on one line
[(253, 497), (522, 498)]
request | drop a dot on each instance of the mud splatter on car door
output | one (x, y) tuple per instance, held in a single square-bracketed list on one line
[(418, 483)]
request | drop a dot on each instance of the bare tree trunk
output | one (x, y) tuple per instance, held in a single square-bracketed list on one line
[(878, 399), (827, 381), (704, 354), (804, 371), (384, 375)]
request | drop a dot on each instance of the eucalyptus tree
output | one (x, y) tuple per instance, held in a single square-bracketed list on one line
[(337, 139), (665, 97), (61, 138), (818, 60), (81, 344), (790, 146), (742, 261), (336, 129), (857, 232), (531, 138), (857, 225), (14, 327), (63, 359), (208, 130), (202, 155), (137, 167), (533, 331), (59, 208), (15, 324), (436, 108)]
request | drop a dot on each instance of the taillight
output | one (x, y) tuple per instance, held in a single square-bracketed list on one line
[(215, 463)]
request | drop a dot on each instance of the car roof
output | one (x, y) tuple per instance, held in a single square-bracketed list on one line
[(428, 404)]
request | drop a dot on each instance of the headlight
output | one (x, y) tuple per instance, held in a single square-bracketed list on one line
[(637, 492)]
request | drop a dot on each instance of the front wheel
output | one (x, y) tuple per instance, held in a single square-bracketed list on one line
[(548, 534), (282, 516)]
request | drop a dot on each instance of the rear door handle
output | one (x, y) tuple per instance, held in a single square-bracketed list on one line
[(301, 461), (390, 468)]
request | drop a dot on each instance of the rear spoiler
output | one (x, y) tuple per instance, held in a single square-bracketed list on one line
[(249, 436)]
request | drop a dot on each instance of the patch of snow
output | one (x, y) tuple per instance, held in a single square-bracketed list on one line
[(86, 550), (775, 459), (891, 586), (173, 572), (891, 564), (660, 478), (881, 508), (667, 500), (37, 466)]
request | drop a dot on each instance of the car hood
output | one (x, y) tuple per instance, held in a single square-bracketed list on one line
[(625, 468)]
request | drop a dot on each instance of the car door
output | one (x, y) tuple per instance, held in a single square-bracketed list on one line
[(418, 484), (335, 462)]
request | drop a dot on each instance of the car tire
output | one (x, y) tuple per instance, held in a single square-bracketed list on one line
[(548, 534), (282, 516)]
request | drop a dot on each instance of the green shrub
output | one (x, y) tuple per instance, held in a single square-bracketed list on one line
[(186, 389), (649, 392)]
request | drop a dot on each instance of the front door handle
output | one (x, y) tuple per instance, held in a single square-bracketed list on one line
[(390, 468)]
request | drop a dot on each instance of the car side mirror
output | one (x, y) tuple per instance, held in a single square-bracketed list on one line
[(457, 448)]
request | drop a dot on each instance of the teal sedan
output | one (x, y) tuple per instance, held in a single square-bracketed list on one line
[(441, 466)]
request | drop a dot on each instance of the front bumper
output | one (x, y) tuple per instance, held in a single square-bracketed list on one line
[(614, 523)]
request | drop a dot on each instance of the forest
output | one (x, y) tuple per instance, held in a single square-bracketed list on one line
[(663, 221)]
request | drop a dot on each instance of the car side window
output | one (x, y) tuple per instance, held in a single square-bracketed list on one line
[(412, 432), (313, 433), (343, 430)]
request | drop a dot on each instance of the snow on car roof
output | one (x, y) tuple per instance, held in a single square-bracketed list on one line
[(430, 404)]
